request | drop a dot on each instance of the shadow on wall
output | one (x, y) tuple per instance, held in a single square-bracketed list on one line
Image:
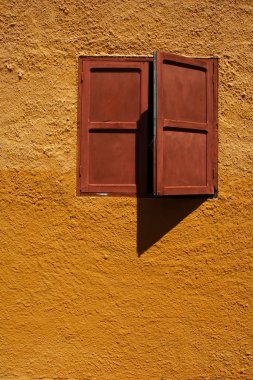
[(157, 216)]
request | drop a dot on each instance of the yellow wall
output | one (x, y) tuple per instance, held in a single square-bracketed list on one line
[(77, 301)]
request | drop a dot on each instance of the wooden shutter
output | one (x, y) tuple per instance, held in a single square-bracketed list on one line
[(113, 126), (185, 125)]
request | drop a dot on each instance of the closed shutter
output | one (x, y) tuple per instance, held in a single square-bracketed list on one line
[(185, 125), (113, 130)]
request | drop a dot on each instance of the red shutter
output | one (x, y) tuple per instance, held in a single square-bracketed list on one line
[(185, 129), (113, 148)]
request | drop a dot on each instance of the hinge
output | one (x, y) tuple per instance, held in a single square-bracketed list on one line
[(81, 77), (80, 170), (214, 172), (213, 79)]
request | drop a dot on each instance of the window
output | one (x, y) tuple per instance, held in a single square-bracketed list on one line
[(147, 125)]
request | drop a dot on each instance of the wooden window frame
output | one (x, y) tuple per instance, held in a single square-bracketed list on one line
[(211, 191)]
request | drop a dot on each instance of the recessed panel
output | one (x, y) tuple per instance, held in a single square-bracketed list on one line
[(112, 157), (114, 95), (184, 92), (184, 158)]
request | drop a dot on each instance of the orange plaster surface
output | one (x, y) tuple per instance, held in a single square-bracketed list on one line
[(120, 288)]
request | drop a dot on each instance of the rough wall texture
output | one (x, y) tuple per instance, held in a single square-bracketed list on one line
[(78, 301)]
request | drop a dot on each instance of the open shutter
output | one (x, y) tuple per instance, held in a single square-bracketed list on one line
[(185, 125), (113, 148)]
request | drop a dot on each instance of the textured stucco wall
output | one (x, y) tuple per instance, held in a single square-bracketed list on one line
[(77, 301)]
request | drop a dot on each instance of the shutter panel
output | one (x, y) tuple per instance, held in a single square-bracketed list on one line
[(185, 125), (113, 149)]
